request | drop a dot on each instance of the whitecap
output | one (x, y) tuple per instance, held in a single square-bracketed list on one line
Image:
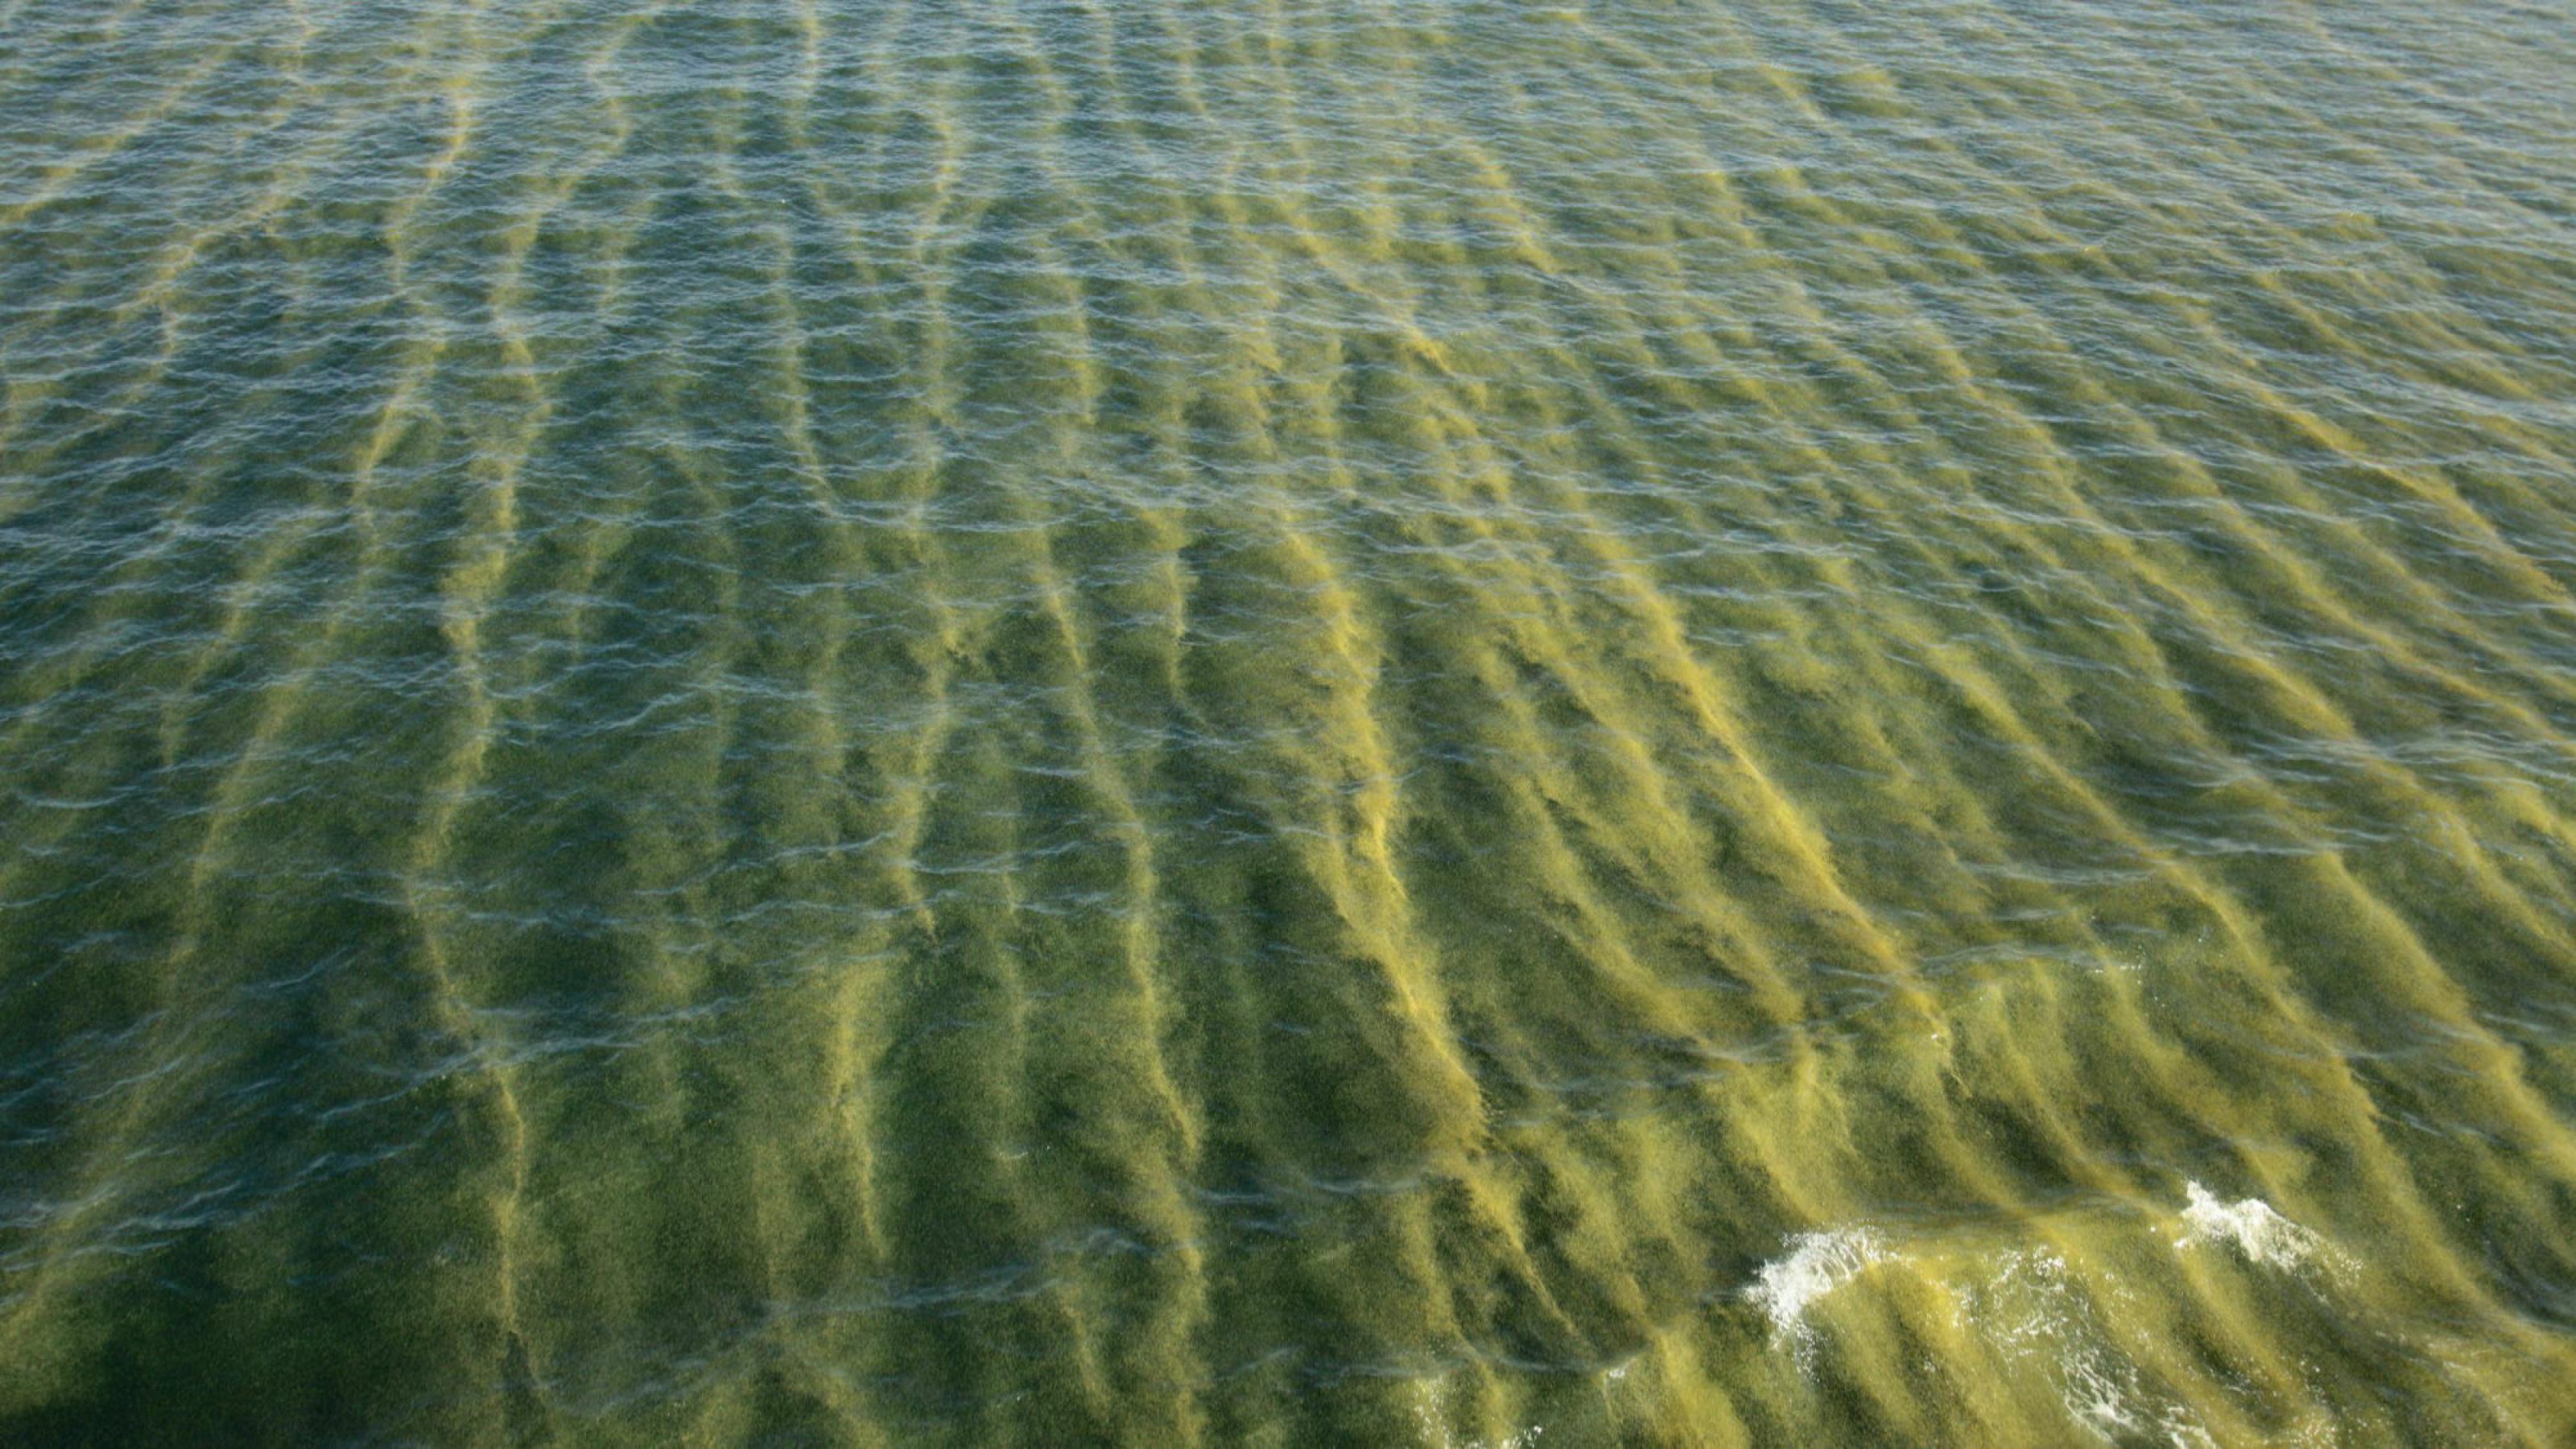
[(1815, 1265), (2252, 1226)]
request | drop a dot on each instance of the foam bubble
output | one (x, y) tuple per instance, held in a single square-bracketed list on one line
[(1815, 1265), (2250, 1224), (2032, 1313)]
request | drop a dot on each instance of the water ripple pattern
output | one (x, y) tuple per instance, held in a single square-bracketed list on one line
[(1287, 722)]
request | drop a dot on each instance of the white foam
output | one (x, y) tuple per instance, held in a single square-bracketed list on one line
[(2250, 1224), (1815, 1265), (2031, 1312)]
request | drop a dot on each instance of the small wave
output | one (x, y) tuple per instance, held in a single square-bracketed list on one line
[(2258, 1232), (1815, 1265), (2031, 1312), (1430, 1411)]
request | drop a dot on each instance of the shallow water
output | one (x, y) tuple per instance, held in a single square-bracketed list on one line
[(1287, 722)]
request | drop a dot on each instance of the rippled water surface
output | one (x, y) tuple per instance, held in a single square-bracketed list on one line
[(1287, 721)]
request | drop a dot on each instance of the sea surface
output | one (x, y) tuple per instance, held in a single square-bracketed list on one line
[(1287, 722)]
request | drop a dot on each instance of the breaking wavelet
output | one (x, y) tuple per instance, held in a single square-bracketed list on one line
[(1288, 722)]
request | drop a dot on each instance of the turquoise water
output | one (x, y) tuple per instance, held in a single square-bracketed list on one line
[(1287, 723)]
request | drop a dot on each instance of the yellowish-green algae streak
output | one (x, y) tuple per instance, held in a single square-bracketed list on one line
[(1287, 722)]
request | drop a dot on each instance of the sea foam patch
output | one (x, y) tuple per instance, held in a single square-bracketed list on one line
[(2032, 1313), (2253, 1228), (1815, 1265)]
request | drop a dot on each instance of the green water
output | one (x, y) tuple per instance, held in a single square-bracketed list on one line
[(1287, 722)]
